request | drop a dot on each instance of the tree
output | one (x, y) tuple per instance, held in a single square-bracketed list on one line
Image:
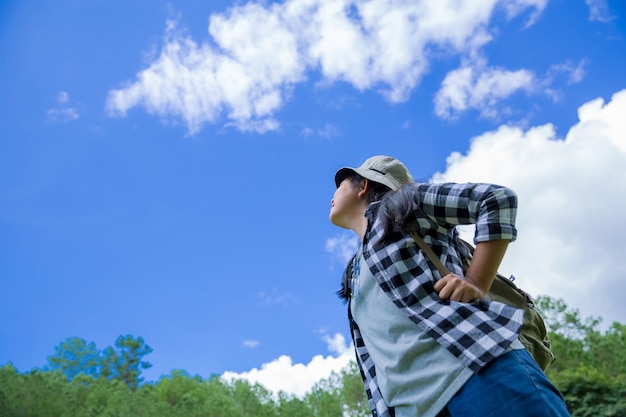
[(219, 401), (36, 393), (588, 392), (607, 352), (590, 366), (324, 399), (353, 394), (292, 406), (125, 363), (252, 399), (74, 356), (560, 319)]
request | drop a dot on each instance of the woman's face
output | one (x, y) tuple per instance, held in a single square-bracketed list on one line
[(345, 204)]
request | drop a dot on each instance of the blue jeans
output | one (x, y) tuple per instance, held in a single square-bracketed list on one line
[(512, 386)]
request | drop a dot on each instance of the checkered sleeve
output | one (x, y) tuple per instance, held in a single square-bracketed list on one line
[(492, 208)]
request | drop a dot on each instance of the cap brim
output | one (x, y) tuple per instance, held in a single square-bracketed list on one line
[(342, 174), (345, 172)]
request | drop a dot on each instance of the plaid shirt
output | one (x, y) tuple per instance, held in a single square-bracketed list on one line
[(476, 332)]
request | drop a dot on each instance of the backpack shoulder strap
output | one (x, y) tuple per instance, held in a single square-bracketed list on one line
[(443, 271)]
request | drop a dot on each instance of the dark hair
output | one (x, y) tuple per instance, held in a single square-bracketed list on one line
[(396, 210), (377, 192)]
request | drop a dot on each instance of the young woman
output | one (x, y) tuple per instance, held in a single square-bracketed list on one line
[(428, 345)]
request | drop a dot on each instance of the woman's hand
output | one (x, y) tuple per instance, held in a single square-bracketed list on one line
[(455, 288), (482, 270)]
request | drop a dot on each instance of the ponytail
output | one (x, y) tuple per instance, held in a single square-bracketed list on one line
[(395, 212)]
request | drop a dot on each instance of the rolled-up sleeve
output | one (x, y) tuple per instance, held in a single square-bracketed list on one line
[(492, 208), (496, 215)]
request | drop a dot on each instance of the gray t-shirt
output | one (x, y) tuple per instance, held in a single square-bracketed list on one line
[(416, 375)]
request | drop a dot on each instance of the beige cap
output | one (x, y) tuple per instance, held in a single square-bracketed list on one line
[(381, 169)]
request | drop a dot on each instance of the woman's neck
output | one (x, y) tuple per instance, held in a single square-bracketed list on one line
[(359, 227)]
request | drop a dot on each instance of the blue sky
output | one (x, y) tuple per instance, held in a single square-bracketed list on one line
[(166, 168)]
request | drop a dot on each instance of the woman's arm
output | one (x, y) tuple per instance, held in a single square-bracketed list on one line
[(479, 276), (493, 210), (485, 263)]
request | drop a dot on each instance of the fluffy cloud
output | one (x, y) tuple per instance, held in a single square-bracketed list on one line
[(197, 83), (571, 193), (298, 378), (476, 87), (259, 52)]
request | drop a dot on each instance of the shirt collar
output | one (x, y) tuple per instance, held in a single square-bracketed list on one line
[(371, 210)]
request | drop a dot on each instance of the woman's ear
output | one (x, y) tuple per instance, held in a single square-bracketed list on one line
[(364, 188)]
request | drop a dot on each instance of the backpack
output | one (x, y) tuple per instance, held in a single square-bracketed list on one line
[(533, 334)]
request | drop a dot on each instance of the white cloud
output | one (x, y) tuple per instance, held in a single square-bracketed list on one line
[(336, 344), (599, 11), (343, 246), (298, 378), (64, 111), (259, 52), (575, 73), (571, 194), (197, 83), (251, 343), (516, 7), (63, 114), (479, 87)]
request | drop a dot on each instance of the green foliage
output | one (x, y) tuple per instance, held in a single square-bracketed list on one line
[(125, 362), (352, 392), (324, 399), (590, 393), (4, 405), (607, 352), (36, 393), (565, 321), (74, 357), (590, 366), (219, 401), (590, 371), (292, 406)]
